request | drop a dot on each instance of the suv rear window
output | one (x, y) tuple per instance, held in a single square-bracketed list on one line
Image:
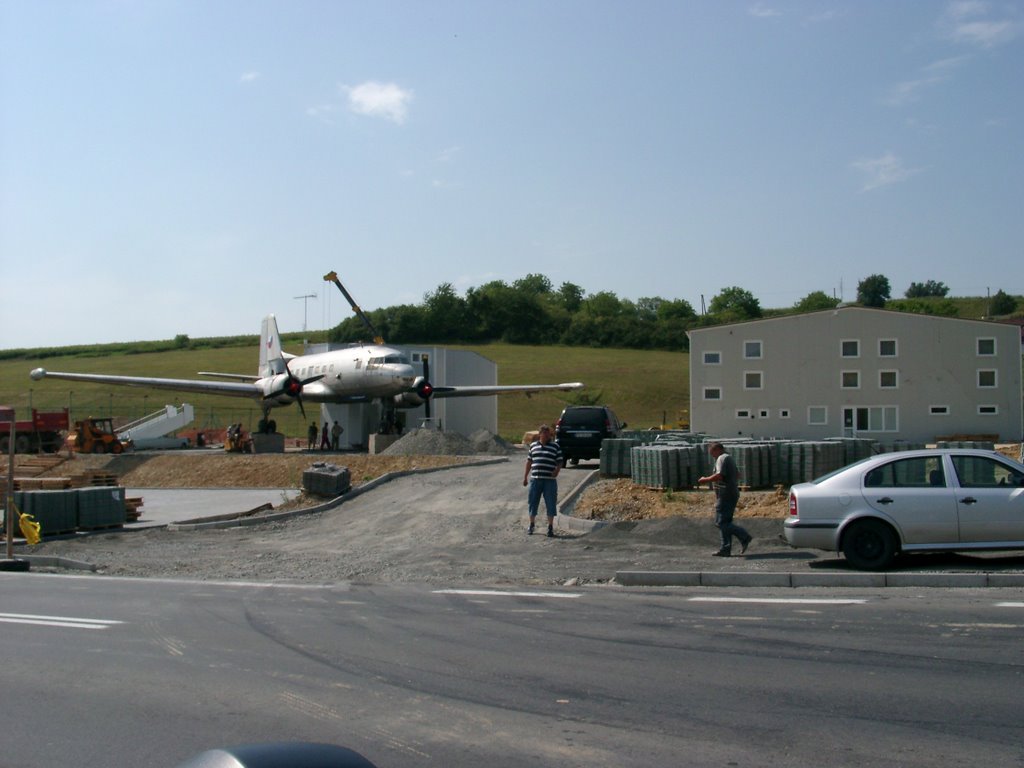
[(584, 417)]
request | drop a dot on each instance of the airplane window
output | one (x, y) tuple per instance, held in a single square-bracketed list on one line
[(396, 359)]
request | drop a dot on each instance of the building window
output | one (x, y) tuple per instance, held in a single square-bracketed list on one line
[(887, 347), (988, 410), (849, 348), (783, 413), (753, 380), (752, 350), (888, 379), (712, 358), (987, 379), (986, 347), (849, 379), (876, 418), (817, 414), (743, 413), (712, 393), (938, 410), (763, 413)]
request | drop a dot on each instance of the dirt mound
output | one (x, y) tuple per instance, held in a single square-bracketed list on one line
[(431, 442), (620, 499)]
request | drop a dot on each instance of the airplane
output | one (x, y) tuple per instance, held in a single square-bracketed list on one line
[(360, 373)]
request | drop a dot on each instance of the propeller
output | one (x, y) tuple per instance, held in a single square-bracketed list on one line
[(425, 389), (293, 387)]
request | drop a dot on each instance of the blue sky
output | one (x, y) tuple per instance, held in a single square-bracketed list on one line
[(193, 166)]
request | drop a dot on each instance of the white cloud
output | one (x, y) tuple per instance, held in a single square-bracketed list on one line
[(935, 73), (324, 112), (762, 11), (448, 154), (883, 171), (375, 99), (972, 22), (249, 77)]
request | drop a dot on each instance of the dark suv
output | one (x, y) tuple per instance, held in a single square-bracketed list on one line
[(581, 428)]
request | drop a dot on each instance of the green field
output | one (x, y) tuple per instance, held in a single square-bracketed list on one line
[(641, 386)]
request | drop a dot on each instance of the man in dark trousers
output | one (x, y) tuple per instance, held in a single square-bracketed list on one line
[(726, 482), (543, 462)]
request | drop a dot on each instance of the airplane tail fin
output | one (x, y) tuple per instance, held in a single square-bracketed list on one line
[(271, 356)]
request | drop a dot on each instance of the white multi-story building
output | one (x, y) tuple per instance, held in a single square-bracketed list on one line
[(857, 371)]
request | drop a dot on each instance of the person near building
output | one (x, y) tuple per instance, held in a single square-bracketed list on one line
[(311, 435), (543, 462), (325, 438), (336, 431), (726, 482)]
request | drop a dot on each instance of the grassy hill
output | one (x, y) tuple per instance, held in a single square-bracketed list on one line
[(644, 387), (639, 385)]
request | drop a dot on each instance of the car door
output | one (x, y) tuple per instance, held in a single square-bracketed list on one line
[(990, 499), (916, 494)]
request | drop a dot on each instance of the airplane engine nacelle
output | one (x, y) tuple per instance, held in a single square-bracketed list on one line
[(417, 396), (408, 400), (282, 389)]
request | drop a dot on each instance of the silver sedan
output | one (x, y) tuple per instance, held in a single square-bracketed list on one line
[(914, 501)]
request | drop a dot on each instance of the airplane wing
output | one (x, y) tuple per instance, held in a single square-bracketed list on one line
[(238, 376), (481, 391), (230, 388)]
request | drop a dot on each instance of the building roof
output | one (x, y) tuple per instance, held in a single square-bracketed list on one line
[(854, 308)]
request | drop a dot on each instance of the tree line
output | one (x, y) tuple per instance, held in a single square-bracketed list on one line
[(532, 311)]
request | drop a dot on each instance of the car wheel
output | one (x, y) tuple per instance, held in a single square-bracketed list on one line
[(869, 545)]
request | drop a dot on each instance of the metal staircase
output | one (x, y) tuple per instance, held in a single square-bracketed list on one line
[(151, 431)]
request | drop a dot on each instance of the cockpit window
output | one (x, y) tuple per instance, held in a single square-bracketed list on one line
[(390, 360)]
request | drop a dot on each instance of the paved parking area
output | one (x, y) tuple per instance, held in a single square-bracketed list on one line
[(170, 505)]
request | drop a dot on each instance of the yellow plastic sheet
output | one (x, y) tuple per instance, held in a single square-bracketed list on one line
[(29, 527)]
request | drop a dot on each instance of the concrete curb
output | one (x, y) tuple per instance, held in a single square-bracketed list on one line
[(247, 518), (784, 579), (565, 516), (49, 561)]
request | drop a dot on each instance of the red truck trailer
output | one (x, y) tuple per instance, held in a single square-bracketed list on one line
[(43, 434)]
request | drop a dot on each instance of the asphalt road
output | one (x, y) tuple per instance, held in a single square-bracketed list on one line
[(102, 672)]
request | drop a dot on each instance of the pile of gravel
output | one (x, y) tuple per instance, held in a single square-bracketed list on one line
[(430, 442)]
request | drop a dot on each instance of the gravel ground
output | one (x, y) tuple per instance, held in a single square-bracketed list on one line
[(464, 524), (452, 522)]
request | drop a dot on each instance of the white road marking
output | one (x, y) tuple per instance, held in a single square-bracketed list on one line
[(784, 600), (499, 593), (57, 621), (1009, 605)]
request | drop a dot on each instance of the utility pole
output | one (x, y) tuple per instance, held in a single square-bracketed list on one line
[(305, 303)]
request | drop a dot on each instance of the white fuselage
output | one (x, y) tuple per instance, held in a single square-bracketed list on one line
[(358, 371)]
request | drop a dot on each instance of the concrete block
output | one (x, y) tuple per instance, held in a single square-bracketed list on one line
[(264, 443), (379, 442)]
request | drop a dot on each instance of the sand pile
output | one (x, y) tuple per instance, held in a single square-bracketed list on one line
[(430, 442)]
